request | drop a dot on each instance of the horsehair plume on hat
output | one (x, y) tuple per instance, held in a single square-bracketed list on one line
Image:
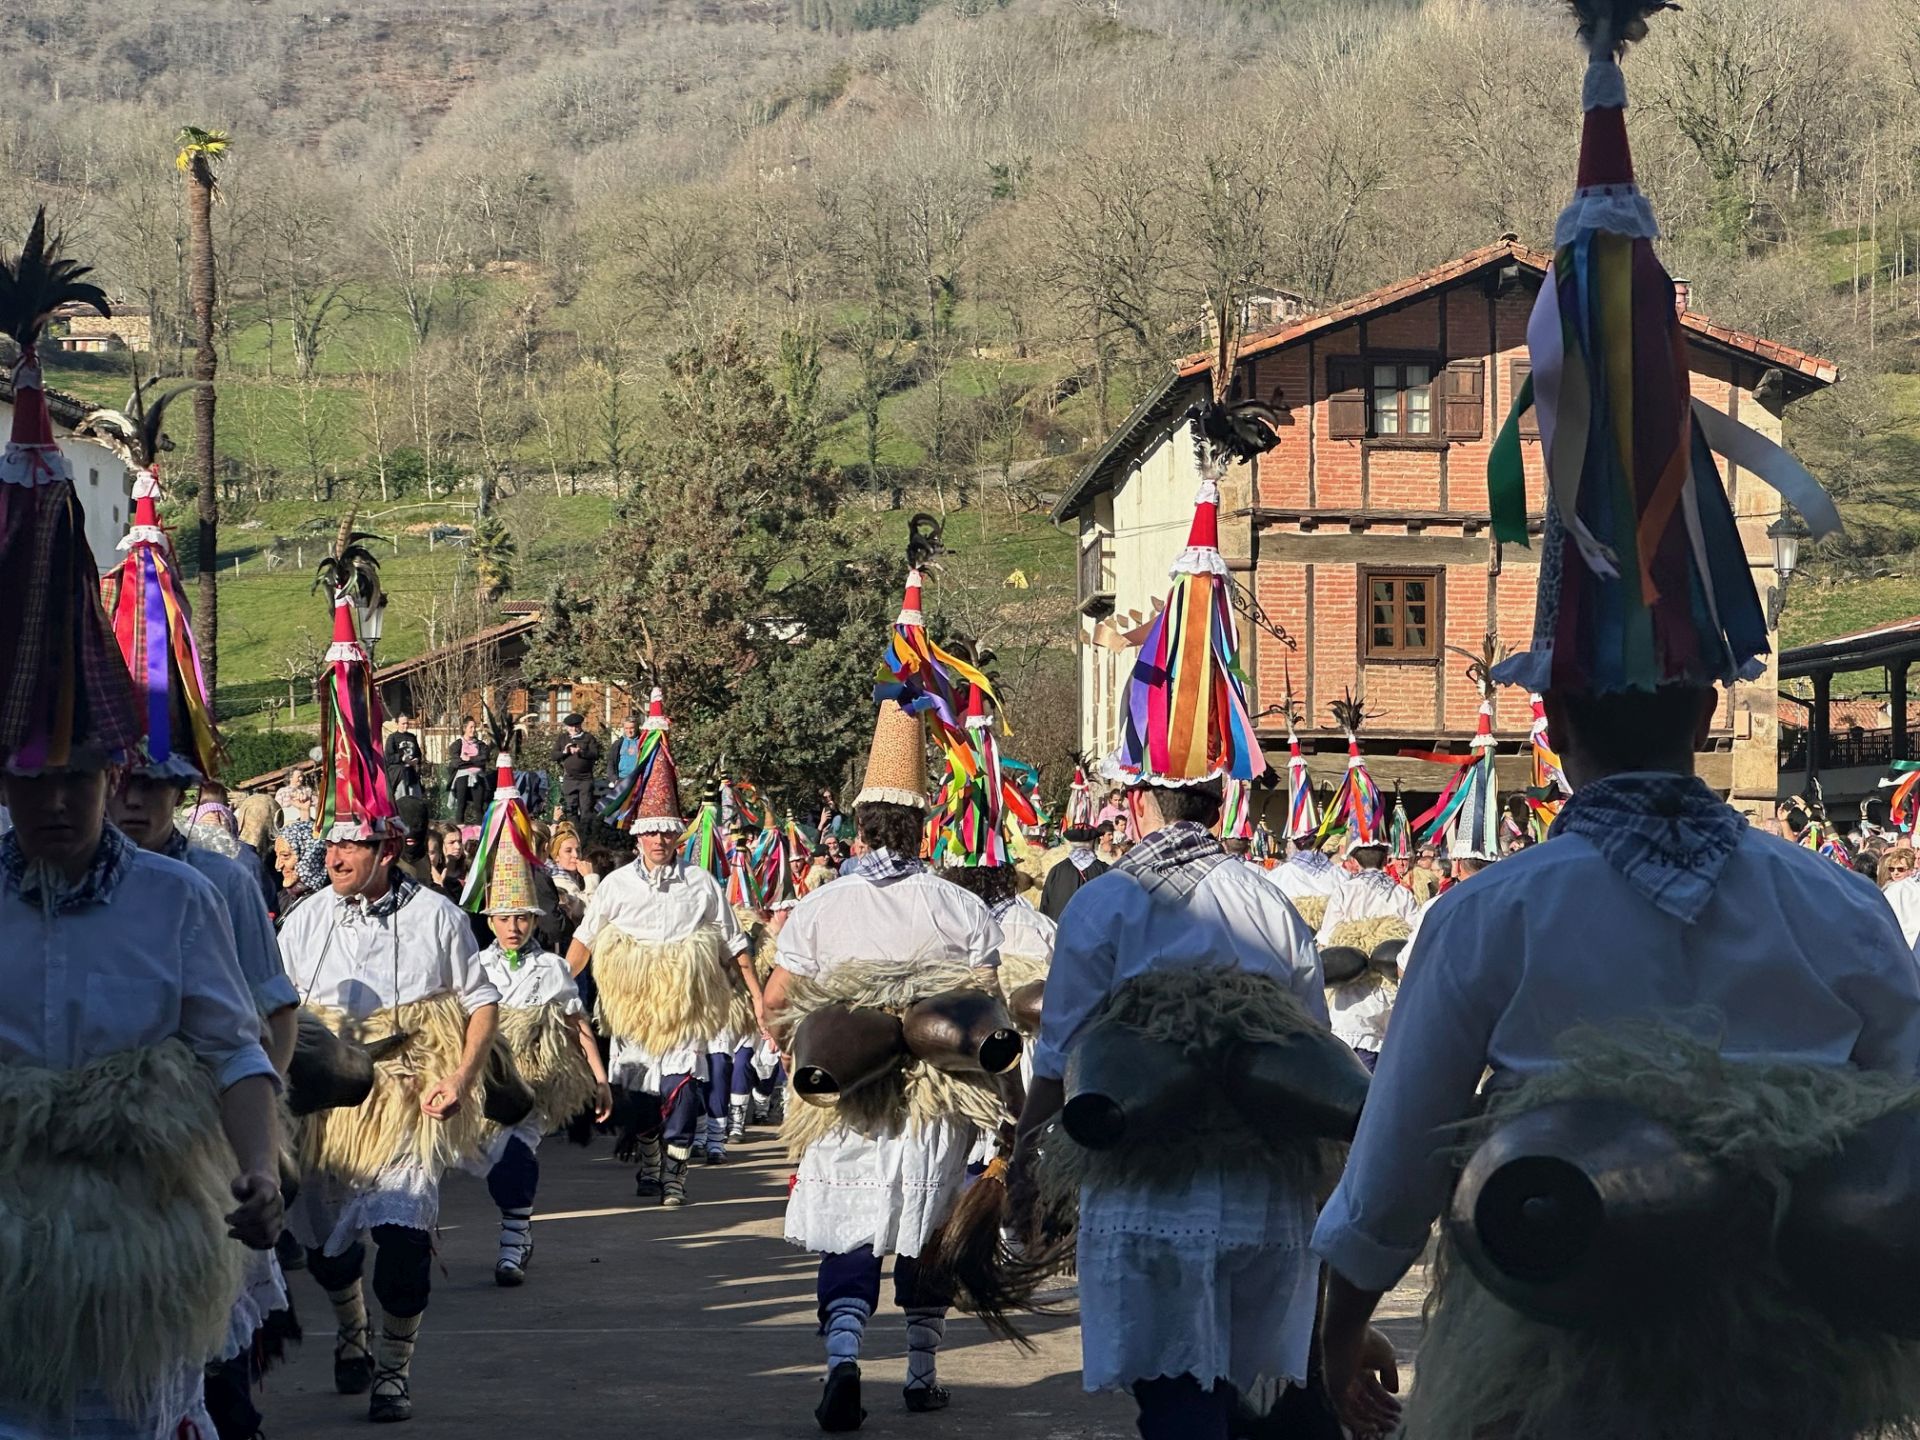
[(147, 603), (65, 697), (1644, 579), (1608, 27), (352, 568)]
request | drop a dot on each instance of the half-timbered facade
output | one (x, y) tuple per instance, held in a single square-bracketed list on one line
[(1362, 546)]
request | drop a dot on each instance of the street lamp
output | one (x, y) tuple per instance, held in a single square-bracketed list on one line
[(1786, 533), (371, 613)]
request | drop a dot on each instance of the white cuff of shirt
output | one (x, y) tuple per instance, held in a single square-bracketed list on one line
[(1361, 1260), (738, 945)]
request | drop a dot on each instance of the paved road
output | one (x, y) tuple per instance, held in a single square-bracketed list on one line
[(637, 1318)]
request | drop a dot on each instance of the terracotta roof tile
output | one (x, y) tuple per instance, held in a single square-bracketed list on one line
[(1501, 252)]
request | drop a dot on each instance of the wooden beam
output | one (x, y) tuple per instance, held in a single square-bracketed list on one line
[(1290, 545)]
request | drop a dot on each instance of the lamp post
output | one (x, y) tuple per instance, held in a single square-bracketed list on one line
[(372, 616), (1786, 533)]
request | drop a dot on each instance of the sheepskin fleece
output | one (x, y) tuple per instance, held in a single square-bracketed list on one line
[(666, 996), (1743, 1358), (545, 1045), (357, 1144), (1206, 1011), (916, 1094), (1017, 970), (1313, 909), (1364, 935), (115, 1267)]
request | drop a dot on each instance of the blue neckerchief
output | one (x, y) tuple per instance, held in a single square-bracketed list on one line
[(880, 866), (1668, 835), (109, 867)]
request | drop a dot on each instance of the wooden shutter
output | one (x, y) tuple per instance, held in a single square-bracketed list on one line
[(1346, 398), (1463, 400), (1517, 373)]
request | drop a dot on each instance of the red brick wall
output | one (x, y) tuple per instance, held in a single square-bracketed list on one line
[(1345, 480)]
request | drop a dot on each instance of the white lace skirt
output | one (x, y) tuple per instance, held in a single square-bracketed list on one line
[(1216, 1281), (182, 1413), (263, 1289), (329, 1214), (893, 1193)]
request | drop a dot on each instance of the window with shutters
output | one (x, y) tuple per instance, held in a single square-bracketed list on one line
[(1517, 373), (1401, 614), (1407, 400)]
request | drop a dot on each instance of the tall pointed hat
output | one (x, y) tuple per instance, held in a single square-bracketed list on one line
[(1644, 579), (897, 761), (354, 801), (1236, 810), (1303, 816), (500, 879), (1550, 788), (1186, 717), (923, 678), (704, 846), (1467, 815), (1083, 816), (147, 601), (978, 799), (65, 696), (648, 803), (773, 860), (1356, 810)]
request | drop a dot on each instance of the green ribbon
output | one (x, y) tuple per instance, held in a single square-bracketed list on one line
[(515, 958), (1906, 764), (1507, 475)]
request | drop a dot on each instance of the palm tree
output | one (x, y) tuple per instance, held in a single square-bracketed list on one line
[(493, 556), (199, 151)]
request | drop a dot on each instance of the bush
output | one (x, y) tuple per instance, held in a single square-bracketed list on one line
[(255, 752)]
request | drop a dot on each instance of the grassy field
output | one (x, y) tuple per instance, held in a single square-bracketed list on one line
[(268, 613)]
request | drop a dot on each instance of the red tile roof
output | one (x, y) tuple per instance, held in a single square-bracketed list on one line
[(1502, 252)]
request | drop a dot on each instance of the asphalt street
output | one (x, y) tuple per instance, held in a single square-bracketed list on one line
[(697, 1323)]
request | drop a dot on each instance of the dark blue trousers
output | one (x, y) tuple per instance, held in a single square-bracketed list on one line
[(683, 1106), (856, 1276), (1176, 1408), (514, 1177)]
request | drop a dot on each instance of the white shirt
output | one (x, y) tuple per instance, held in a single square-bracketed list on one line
[(912, 920), (541, 978), (1305, 874), (1413, 930), (1113, 930), (340, 956), (154, 961), (1360, 1008), (1368, 895), (660, 906), (255, 942), (1794, 960), (1904, 896), (1025, 931)]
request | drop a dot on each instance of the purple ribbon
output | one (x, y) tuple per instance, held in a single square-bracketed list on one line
[(154, 641)]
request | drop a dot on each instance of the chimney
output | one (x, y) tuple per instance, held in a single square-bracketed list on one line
[(1682, 295)]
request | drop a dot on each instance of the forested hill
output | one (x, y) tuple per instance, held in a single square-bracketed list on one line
[(459, 238)]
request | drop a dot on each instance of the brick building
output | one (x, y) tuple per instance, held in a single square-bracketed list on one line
[(1374, 507)]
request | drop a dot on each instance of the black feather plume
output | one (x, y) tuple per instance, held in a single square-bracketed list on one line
[(39, 282), (1609, 26)]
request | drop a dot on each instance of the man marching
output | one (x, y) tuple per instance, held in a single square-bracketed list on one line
[(140, 1136), (385, 961), (671, 965), (1655, 969)]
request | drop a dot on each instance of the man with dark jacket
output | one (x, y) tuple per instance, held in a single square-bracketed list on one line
[(405, 761), (577, 756), (1076, 868)]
